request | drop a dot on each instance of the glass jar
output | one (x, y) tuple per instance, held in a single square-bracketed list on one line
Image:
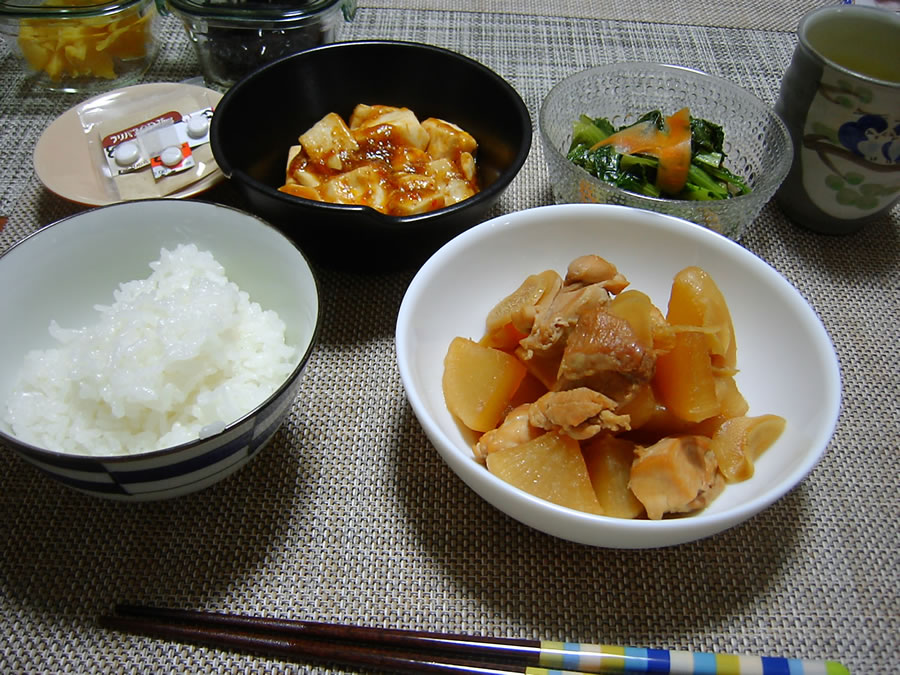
[(81, 45), (234, 37)]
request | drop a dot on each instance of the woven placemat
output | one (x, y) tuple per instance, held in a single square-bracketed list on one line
[(778, 15), (350, 515)]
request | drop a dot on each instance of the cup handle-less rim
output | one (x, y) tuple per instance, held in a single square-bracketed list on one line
[(859, 11)]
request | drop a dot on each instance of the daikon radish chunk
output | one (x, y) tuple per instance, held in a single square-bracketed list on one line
[(650, 419), (520, 307), (530, 390), (731, 400), (608, 461), (696, 300), (684, 379), (641, 408), (635, 308), (740, 441), (550, 467), (506, 337), (479, 382)]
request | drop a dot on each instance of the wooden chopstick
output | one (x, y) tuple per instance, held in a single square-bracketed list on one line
[(512, 649), (396, 650), (297, 639)]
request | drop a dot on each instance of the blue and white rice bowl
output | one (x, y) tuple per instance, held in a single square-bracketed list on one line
[(63, 270)]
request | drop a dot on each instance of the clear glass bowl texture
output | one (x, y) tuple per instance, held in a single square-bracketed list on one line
[(231, 39), (72, 46), (757, 142)]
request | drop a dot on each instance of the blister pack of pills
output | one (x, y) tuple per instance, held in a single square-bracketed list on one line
[(153, 147)]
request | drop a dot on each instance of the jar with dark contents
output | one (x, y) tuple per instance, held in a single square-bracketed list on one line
[(234, 37)]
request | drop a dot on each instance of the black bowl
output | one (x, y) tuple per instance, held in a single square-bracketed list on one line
[(262, 115)]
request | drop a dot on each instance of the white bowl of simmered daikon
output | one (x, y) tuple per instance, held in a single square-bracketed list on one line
[(616, 377)]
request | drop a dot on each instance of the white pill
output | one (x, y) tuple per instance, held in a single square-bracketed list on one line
[(171, 156), (197, 126), (126, 153)]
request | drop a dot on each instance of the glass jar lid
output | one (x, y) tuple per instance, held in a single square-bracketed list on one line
[(58, 9), (255, 11)]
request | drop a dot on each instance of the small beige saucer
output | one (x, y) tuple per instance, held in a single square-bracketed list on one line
[(62, 159)]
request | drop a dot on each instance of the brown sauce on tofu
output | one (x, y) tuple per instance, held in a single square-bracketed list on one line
[(383, 158)]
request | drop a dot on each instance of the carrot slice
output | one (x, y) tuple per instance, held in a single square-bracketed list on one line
[(675, 156), (642, 137), (671, 145)]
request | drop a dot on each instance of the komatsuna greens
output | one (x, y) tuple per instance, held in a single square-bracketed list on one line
[(656, 156)]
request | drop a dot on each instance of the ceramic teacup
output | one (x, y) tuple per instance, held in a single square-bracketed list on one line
[(840, 99)]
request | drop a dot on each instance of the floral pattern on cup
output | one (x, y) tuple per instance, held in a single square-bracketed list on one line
[(851, 147)]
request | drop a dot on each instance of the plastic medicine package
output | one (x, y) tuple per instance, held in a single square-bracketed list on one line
[(153, 146)]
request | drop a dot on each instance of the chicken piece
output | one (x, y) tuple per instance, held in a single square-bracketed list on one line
[(365, 185), (604, 353), (592, 269), (675, 475), (446, 140), (555, 320), (329, 141), (404, 125), (578, 413), (705, 497), (514, 430)]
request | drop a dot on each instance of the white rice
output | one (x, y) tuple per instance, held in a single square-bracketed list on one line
[(175, 357)]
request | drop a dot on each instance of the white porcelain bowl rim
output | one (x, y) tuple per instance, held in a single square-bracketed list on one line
[(575, 525)]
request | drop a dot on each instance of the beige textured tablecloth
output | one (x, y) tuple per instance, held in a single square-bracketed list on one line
[(350, 514), (776, 15)]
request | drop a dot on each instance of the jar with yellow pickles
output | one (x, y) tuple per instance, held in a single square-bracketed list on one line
[(81, 45)]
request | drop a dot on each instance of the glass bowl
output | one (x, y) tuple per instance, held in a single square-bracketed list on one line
[(757, 143), (81, 45), (233, 37)]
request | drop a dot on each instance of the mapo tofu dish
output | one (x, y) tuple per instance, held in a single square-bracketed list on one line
[(584, 393), (385, 158)]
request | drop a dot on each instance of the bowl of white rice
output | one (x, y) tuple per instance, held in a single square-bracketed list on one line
[(151, 348)]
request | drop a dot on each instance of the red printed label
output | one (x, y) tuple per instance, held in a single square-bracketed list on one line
[(131, 133)]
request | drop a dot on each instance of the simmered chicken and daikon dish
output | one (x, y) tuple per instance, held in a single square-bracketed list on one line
[(584, 393), (385, 158)]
